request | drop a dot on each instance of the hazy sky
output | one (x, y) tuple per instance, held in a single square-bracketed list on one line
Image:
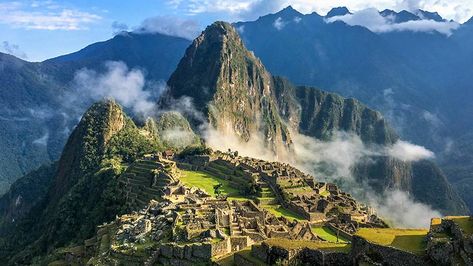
[(40, 29)]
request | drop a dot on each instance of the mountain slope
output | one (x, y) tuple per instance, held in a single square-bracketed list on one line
[(412, 77), (34, 98), (84, 192)]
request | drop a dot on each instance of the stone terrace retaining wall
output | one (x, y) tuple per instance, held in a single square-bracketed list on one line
[(302, 256), (362, 249)]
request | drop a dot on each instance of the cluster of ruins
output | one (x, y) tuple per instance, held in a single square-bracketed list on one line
[(317, 202)]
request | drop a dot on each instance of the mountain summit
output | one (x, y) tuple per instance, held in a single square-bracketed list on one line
[(230, 86)]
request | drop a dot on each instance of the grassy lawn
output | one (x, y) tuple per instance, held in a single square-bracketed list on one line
[(412, 240), (295, 244), (246, 253), (207, 182), (327, 234), (279, 211), (464, 222)]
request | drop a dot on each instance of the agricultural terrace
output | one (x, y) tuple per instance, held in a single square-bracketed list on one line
[(328, 235), (411, 240), (465, 223), (297, 244), (206, 182)]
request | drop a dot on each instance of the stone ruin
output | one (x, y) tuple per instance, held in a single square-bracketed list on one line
[(318, 202)]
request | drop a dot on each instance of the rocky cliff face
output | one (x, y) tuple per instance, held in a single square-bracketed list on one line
[(231, 87), (319, 114)]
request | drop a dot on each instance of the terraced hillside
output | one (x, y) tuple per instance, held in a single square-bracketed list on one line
[(144, 181)]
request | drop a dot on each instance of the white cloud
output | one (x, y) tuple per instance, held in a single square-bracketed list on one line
[(13, 49), (231, 10), (372, 20), (44, 15), (408, 152), (118, 82), (279, 23), (172, 26), (403, 211), (333, 161)]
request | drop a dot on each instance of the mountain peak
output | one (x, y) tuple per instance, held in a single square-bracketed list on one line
[(288, 12), (429, 15), (87, 142), (230, 86), (399, 17), (338, 11)]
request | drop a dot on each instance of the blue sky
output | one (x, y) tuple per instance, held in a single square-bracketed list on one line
[(39, 29)]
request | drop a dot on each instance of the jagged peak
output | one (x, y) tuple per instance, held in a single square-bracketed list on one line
[(338, 11), (429, 15), (399, 17), (288, 12)]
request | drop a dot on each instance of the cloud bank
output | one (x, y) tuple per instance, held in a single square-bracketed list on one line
[(126, 86), (372, 20), (333, 161), (172, 26)]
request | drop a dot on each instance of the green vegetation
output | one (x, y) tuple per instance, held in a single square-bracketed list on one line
[(207, 182), (327, 234), (296, 244), (129, 144), (465, 223), (228, 260), (411, 240), (195, 150), (280, 211)]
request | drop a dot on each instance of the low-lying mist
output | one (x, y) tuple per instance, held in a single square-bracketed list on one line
[(333, 161)]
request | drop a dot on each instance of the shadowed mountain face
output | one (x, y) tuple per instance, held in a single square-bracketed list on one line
[(414, 78), (35, 117)]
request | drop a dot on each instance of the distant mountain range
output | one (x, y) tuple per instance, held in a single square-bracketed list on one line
[(413, 78)]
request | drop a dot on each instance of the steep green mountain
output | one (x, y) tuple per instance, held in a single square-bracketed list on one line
[(235, 92), (35, 119), (230, 86), (84, 191)]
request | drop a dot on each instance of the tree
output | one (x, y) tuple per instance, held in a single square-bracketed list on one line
[(217, 190)]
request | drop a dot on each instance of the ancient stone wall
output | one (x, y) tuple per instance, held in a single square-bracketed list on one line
[(221, 248), (341, 233), (362, 249), (239, 242)]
